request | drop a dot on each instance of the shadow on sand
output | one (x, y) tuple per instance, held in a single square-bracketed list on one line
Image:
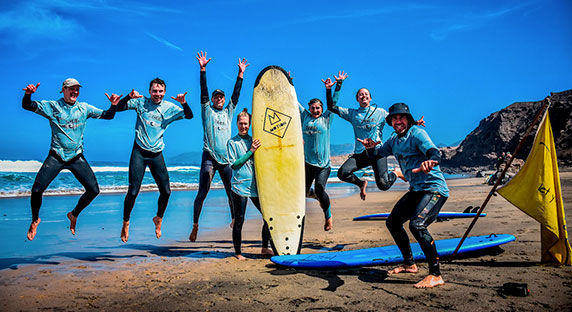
[(375, 275)]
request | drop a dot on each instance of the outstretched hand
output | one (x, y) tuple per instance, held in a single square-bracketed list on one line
[(114, 98), (369, 143), (421, 122), (202, 58), (134, 94), (328, 83), (180, 98), (341, 76), (426, 166), (242, 65), (255, 145), (31, 88)]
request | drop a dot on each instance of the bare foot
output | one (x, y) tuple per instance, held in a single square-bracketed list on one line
[(33, 228), (158, 221), (399, 174), (240, 257), (362, 190), (231, 224), (266, 253), (404, 269), (125, 231), (430, 281), (73, 220), (328, 224), (193, 236)]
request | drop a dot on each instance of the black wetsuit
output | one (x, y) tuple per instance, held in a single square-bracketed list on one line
[(420, 209), (383, 179), (54, 164), (209, 163), (239, 207), (142, 158)]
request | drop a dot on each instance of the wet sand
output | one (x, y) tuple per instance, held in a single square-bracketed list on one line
[(203, 276)]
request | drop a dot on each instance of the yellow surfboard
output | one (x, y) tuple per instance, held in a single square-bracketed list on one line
[(279, 162)]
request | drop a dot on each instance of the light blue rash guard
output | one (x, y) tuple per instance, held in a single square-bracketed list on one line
[(410, 151), (152, 121), (68, 124), (367, 122), (243, 180), (316, 134), (216, 130)]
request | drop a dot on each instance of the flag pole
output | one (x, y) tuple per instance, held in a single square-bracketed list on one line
[(499, 179)]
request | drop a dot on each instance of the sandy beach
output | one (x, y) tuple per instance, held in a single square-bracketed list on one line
[(203, 276)]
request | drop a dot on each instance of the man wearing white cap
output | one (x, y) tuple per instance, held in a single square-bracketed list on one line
[(67, 119)]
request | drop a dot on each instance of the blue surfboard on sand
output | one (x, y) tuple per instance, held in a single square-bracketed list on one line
[(387, 254), (441, 215)]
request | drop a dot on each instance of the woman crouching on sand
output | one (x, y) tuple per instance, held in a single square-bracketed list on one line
[(243, 184)]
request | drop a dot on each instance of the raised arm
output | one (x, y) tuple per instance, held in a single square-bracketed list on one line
[(110, 112), (339, 80), (181, 99), (122, 104), (203, 61), (238, 85), (27, 103)]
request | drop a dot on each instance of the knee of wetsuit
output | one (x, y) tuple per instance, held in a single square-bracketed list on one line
[(37, 190), (341, 174), (383, 185), (417, 226), (94, 190), (166, 191), (391, 224), (238, 222)]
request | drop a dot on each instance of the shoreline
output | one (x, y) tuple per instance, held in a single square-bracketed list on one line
[(175, 187), (200, 276)]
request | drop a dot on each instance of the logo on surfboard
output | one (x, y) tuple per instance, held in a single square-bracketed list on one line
[(276, 123)]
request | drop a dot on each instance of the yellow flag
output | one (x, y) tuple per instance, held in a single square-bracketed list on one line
[(535, 189)]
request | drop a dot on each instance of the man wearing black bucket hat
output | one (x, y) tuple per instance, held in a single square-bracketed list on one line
[(217, 121), (419, 161)]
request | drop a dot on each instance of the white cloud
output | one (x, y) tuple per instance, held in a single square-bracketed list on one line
[(467, 21), (165, 42), (37, 22)]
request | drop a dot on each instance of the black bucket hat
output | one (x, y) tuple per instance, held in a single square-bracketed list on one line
[(400, 108)]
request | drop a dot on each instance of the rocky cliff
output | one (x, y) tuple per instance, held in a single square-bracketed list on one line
[(502, 131)]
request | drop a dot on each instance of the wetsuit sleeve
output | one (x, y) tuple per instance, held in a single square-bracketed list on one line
[(242, 160), (204, 89), (109, 113), (331, 101), (122, 105), (434, 154), (380, 151), (236, 91), (301, 109), (187, 110), (27, 103), (424, 142)]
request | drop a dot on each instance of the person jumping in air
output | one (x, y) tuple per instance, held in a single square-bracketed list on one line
[(67, 119), (216, 133), (316, 125), (154, 115), (240, 155), (368, 121), (419, 159)]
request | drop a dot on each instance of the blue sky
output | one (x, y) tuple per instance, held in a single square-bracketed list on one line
[(454, 62)]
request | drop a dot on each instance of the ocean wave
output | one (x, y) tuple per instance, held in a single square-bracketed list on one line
[(32, 166), (175, 186), (20, 165)]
